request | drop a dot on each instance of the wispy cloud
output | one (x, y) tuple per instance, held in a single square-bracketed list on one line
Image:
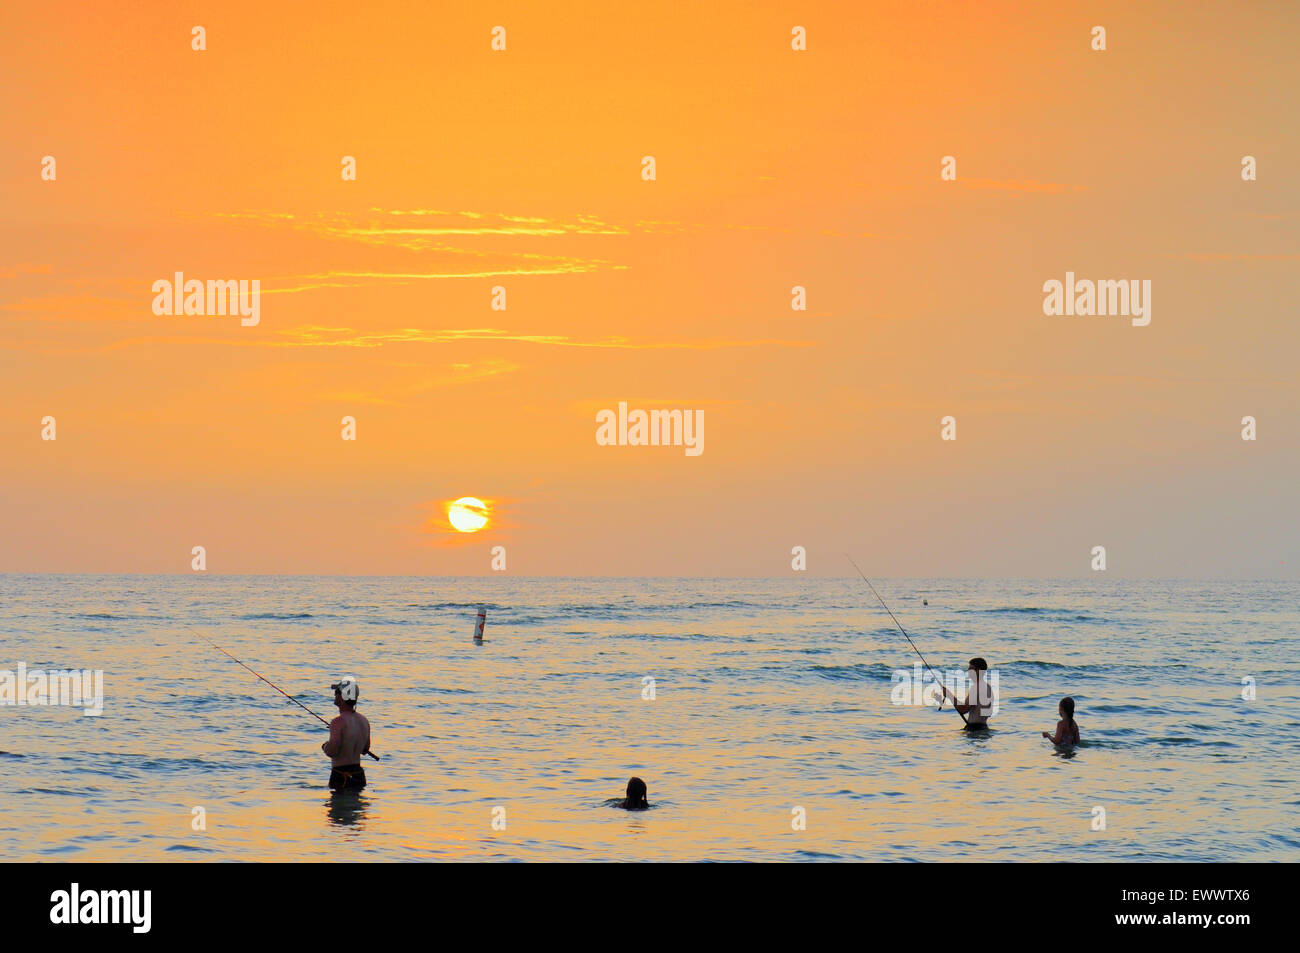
[(1020, 185), (359, 397), (428, 229), (421, 229), (313, 336), (464, 373), (424, 381), (352, 279)]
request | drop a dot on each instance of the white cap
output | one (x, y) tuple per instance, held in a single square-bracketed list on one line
[(348, 688)]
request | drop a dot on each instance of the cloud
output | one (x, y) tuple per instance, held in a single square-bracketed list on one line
[(464, 373), (356, 279), (427, 379), (421, 229), (426, 229), (358, 397), (314, 336), (1021, 185)]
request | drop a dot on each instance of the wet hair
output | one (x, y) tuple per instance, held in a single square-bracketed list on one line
[(979, 664), (1067, 706), (635, 800)]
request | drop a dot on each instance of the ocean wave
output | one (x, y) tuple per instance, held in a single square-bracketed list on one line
[(859, 671), (1186, 741), (1060, 615), (114, 617), (184, 764), (1041, 665)]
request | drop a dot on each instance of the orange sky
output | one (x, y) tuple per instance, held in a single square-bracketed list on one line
[(775, 168)]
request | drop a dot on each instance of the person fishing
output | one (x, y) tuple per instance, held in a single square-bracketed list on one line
[(978, 705), (349, 738), (1067, 731), (974, 716)]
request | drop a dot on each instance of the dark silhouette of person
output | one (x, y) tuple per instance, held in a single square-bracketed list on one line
[(635, 800)]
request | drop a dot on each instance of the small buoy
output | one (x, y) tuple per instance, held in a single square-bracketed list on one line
[(479, 621)]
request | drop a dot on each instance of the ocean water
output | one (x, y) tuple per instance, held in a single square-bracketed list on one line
[(769, 696)]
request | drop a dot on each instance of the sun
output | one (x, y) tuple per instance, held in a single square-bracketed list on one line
[(469, 514)]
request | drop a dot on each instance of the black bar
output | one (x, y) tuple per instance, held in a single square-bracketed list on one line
[(292, 902)]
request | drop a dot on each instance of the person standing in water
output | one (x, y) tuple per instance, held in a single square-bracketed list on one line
[(979, 700), (349, 738), (1067, 732)]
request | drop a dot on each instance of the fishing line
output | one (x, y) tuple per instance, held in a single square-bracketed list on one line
[(905, 635)]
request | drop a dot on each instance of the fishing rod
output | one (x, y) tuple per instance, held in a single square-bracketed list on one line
[(908, 637), (276, 687)]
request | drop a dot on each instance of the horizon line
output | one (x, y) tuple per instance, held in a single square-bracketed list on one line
[(791, 576)]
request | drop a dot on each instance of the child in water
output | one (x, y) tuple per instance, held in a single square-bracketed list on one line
[(635, 800), (1067, 732)]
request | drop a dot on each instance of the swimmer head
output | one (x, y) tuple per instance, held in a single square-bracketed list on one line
[(636, 795)]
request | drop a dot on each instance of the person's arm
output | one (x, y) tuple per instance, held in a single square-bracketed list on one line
[(331, 747), (365, 749), (1060, 732), (962, 708)]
